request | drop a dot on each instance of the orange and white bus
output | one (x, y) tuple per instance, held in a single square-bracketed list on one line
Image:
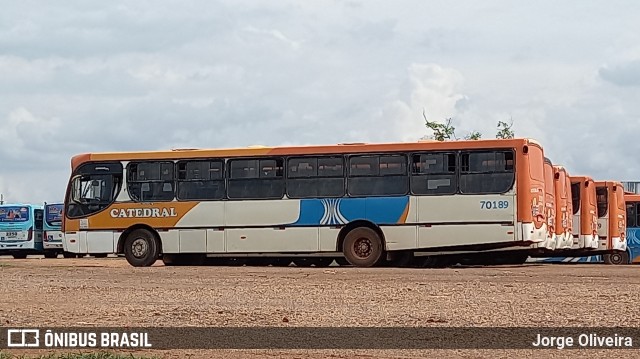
[(612, 216), (564, 208), (550, 204), (308, 204), (585, 217)]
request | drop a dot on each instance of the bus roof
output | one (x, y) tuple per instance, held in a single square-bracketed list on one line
[(20, 205), (580, 178), (631, 197), (302, 150)]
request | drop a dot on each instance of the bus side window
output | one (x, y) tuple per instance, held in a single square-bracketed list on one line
[(377, 175), (485, 172), (433, 173), (575, 197)]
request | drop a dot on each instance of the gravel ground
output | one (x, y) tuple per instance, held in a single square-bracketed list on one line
[(108, 292)]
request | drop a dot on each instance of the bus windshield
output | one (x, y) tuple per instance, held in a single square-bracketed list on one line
[(14, 214), (53, 214)]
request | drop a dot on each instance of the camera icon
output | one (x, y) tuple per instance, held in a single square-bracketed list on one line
[(23, 338)]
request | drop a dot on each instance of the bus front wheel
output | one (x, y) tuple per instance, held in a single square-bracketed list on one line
[(19, 255), (363, 247), (141, 249), (618, 258)]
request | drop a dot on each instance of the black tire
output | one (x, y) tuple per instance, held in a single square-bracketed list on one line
[(188, 259), (342, 261), (281, 262), (50, 254), (100, 255), (259, 261), (617, 258), (319, 262), (401, 259), (429, 262), (19, 255), (141, 248), (363, 247), (234, 261), (69, 255)]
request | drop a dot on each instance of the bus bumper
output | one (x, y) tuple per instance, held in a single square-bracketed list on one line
[(52, 245), (618, 244)]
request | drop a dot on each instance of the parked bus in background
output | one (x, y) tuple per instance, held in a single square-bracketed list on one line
[(308, 204), (21, 229), (611, 227), (52, 227), (550, 204), (612, 218), (564, 208), (585, 217), (632, 254)]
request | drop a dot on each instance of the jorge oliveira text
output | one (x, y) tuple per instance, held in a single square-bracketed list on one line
[(585, 340)]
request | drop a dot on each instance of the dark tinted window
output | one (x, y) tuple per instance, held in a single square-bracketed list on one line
[(256, 179), (632, 215), (151, 181), (602, 199), (485, 172), (433, 173), (377, 175), (311, 177), (38, 217), (201, 180), (575, 197)]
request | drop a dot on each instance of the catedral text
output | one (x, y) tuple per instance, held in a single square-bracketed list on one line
[(143, 212)]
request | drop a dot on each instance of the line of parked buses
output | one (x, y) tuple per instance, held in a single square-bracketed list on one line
[(427, 204)]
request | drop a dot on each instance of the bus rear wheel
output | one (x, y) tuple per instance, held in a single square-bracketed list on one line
[(363, 247), (617, 258), (141, 249), (69, 255)]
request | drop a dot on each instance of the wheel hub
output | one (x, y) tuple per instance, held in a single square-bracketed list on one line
[(362, 247), (139, 248)]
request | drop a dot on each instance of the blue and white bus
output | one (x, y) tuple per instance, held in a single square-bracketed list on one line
[(21, 229), (52, 226)]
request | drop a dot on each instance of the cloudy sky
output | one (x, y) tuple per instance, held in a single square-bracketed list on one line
[(81, 76)]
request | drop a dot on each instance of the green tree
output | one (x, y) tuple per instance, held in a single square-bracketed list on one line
[(474, 135), (441, 131), (504, 130)]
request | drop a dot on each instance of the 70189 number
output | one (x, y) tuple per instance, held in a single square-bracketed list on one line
[(494, 204)]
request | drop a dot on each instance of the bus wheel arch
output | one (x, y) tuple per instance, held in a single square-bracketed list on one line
[(372, 237), (140, 245)]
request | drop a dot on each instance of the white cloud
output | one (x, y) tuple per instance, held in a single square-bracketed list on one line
[(92, 76)]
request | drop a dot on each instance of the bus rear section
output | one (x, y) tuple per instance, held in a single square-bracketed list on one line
[(564, 209), (550, 205), (52, 230), (585, 217), (21, 230), (632, 254), (611, 216)]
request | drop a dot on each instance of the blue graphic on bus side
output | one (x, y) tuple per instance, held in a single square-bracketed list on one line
[(334, 211)]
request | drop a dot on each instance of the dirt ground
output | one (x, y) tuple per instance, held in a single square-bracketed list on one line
[(108, 292)]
